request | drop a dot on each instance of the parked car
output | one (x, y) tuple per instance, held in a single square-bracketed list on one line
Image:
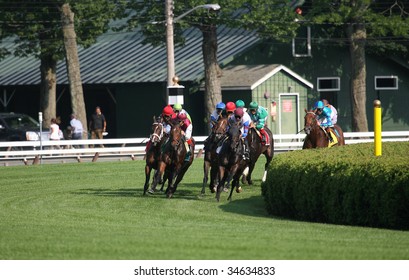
[(20, 127)]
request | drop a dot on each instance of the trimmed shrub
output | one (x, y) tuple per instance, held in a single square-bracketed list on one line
[(342, 185)]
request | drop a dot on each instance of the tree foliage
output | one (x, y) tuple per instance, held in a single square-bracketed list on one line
[(36, 29)]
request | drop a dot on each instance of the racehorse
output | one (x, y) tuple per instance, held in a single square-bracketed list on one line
[(256, 149), (153, 150), (317, 137), (173, 160), (231, 162), (210, 155)]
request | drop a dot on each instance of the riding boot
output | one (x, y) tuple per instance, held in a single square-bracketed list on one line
[(264, 137), (328, 130)]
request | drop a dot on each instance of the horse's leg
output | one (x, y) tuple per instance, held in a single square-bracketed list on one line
[(164, 179), (206, 167), (269, 157), (171, 186), (222, 179), (147, 178), (158, 176), (214, 177)]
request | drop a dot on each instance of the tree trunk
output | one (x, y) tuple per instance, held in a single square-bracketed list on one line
[(48, 89), (357, 38), (213, 91), (73, 65)]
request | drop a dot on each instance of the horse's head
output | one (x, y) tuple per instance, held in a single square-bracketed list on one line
[(157, 131), (175, 134), (219, 129), (234, 136), (310, 121)]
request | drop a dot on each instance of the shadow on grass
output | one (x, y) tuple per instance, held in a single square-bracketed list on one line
[(252, 206), (182, 193)]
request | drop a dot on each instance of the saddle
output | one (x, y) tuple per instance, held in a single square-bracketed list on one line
[(333, 136)]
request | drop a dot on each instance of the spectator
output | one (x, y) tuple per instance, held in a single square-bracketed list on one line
[(76, 128), (97, 125)]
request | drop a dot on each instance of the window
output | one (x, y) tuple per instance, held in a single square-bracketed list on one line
[(328, 84)]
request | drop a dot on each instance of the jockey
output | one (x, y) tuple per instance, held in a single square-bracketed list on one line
[(218, 111), (230, 108), (187, 129), (324, 117), (167, 116), (240, 103), (238, 118), (334, 112), (258, 116), (177, 108), (246, 116)]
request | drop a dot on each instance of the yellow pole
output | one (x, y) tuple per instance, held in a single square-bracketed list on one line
[(377, 127)]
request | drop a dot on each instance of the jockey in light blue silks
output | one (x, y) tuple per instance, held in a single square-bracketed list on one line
[(324, 117)]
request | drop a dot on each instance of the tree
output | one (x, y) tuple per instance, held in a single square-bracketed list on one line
[(376, 26), (36, 28), (271, 18)]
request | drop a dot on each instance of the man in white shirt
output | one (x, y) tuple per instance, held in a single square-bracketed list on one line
[(76, 128)]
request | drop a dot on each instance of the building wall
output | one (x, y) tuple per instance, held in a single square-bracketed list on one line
[(333, 61)]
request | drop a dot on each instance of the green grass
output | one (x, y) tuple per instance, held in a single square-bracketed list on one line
[(97, 211)]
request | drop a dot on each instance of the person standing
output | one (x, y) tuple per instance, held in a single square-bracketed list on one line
[(97, 124), (76, 128), (54, 132)]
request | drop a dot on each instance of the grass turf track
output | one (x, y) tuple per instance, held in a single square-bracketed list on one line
[(97, 211)]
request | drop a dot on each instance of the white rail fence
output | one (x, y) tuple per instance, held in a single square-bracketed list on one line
[(81, 150)]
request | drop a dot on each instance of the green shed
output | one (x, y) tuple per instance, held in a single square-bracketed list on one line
[(275, 87)]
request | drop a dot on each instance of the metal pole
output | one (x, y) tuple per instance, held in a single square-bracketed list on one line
[(40, 119), (169, 45), (377, 127)]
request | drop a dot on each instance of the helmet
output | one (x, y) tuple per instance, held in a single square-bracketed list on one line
[(240, 103), (167, 111), (177, 107), (221, 106), (182, 116), (239, 112), (319, 105), (230, 107), (253, 105)]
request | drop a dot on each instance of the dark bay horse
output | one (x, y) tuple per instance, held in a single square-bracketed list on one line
[(210, 155), (256, 149), (231, 162), (172, 160), (153, 150), (316, 136)]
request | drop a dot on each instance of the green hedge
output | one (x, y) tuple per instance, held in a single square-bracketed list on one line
[(342, 185)]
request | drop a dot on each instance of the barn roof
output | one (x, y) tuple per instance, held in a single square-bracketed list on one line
[(248, 77), (122, 58)]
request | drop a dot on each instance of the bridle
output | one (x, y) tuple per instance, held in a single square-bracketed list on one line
[(157, 136), (309, 127)]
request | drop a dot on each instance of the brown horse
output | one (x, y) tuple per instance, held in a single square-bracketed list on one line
[(256, 149), (153, 149), (317, 137), (231, 162), (173, 160), (210, 156)]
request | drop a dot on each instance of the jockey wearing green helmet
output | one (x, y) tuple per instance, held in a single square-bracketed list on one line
[(240, 103), (177, 108), (258, 115)]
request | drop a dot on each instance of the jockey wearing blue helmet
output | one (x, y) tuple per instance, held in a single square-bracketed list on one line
[(324, 117), (220, 107)]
